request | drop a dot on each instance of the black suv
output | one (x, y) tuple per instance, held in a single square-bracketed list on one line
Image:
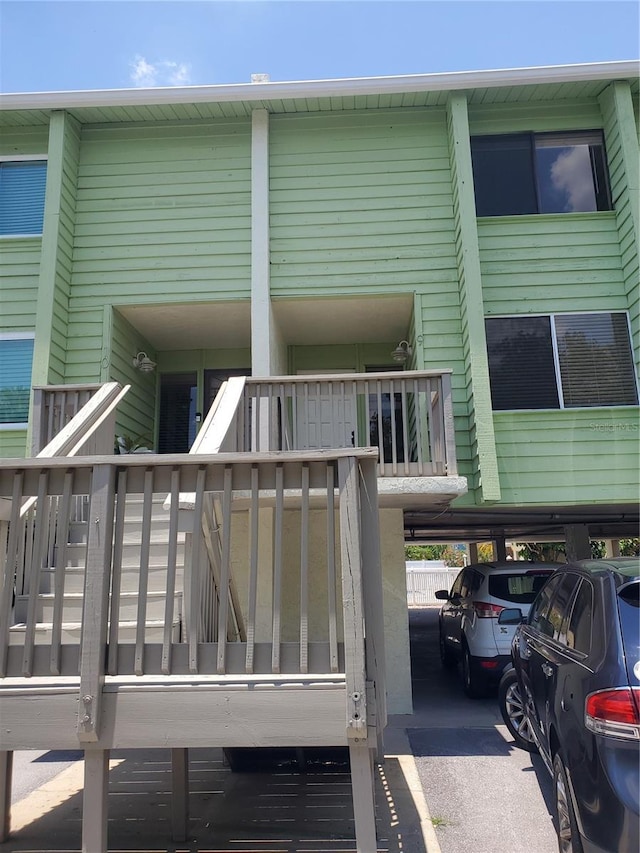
[(574, 695)]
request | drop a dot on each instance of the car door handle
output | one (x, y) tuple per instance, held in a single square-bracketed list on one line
[(525, 651), (548, 670)]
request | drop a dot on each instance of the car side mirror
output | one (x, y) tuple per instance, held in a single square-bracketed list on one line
[(442, 595), (510, 616)]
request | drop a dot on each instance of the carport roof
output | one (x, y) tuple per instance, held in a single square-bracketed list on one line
[(540, 523)]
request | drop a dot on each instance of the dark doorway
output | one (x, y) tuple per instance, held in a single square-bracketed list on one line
[(178, 403), (213, 380)]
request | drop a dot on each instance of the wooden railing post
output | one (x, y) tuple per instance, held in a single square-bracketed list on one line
[(372, 593), (96, 602), (352, 600), (451, 462)]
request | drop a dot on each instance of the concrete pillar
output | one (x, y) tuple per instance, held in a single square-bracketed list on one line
[(577, 543), (500, 548), (473, 552), (612, 547)]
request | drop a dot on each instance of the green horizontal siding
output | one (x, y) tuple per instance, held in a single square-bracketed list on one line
[(568, 457), (24, 140), (360, 203), (13, 443), (19, 269), (536, 117), (163, 212), (622, 153), (136, 413), (540, 264)]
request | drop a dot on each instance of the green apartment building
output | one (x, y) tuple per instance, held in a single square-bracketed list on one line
[(481, 226)]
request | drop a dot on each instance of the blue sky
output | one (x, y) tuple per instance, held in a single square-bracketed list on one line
[(48, 45)]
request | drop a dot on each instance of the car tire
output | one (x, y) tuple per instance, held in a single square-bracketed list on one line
[(566, 823), (472, 684), (447, 658), (513, 710)]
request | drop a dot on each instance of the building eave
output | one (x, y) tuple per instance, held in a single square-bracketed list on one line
[(266, 91)]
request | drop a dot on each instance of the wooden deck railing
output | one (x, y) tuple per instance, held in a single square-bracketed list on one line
[(304, 668), (280, 633), (407, 415)]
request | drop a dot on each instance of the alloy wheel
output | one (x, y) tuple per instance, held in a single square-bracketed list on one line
[(516, 712), (565, 835)]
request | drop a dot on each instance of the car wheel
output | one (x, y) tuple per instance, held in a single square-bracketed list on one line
[(447, 658), (513, 710), (473, 685), (566, 824)]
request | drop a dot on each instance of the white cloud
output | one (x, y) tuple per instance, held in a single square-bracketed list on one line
[(165, 73)]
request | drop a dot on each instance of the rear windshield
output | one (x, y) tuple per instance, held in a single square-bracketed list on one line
[(629, 607), (520, 588)]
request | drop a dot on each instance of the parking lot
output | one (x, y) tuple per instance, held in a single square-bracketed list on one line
[(483, 794)]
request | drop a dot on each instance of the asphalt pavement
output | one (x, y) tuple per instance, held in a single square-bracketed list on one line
[(452, 782)]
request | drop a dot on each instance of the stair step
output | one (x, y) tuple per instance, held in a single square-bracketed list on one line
[(73, 603), (153, 632)]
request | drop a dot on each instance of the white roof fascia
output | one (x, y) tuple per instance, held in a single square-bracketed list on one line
[(449, 81)]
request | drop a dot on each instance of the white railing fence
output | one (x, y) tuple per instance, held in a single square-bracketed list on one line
[(423, 581)]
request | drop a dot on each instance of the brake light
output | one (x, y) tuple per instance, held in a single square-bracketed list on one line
[(484, 610), (614, 712)]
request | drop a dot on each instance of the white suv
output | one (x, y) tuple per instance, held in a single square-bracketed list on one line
[(469, 629)]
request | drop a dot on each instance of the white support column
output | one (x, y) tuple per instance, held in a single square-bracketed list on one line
[(94, 807), (261, 343), (577, 543)]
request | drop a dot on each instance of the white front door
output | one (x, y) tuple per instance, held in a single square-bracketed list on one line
[(325, 416)]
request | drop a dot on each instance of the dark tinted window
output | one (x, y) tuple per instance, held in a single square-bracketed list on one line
[(559, 611), (629, 609), (540, 609), (523, 173), (521, 366), (503, 175), (578, 634), (471, 582), (518, 588), (457, 586), (561, 360)]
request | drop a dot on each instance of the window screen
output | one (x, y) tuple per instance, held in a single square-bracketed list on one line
[(560, 361), (503, 175), (521, 173), (16, 357), (521, 366), (22, 188), (596, 365)]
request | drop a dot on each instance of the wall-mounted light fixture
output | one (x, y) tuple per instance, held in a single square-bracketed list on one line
[(402, 352), (143, 363)]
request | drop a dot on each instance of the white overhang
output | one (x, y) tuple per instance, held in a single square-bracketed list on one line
[(352, 86)]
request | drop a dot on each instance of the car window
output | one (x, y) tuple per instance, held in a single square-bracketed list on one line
[(558, 614), (540, 609), (471, 582), (457, 586), (629, 609), (578, 632), (520, 588)]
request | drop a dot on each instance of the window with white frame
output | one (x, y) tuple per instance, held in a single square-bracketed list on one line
[(16, 360), (521, 173), (22, 189), (560, 361)]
